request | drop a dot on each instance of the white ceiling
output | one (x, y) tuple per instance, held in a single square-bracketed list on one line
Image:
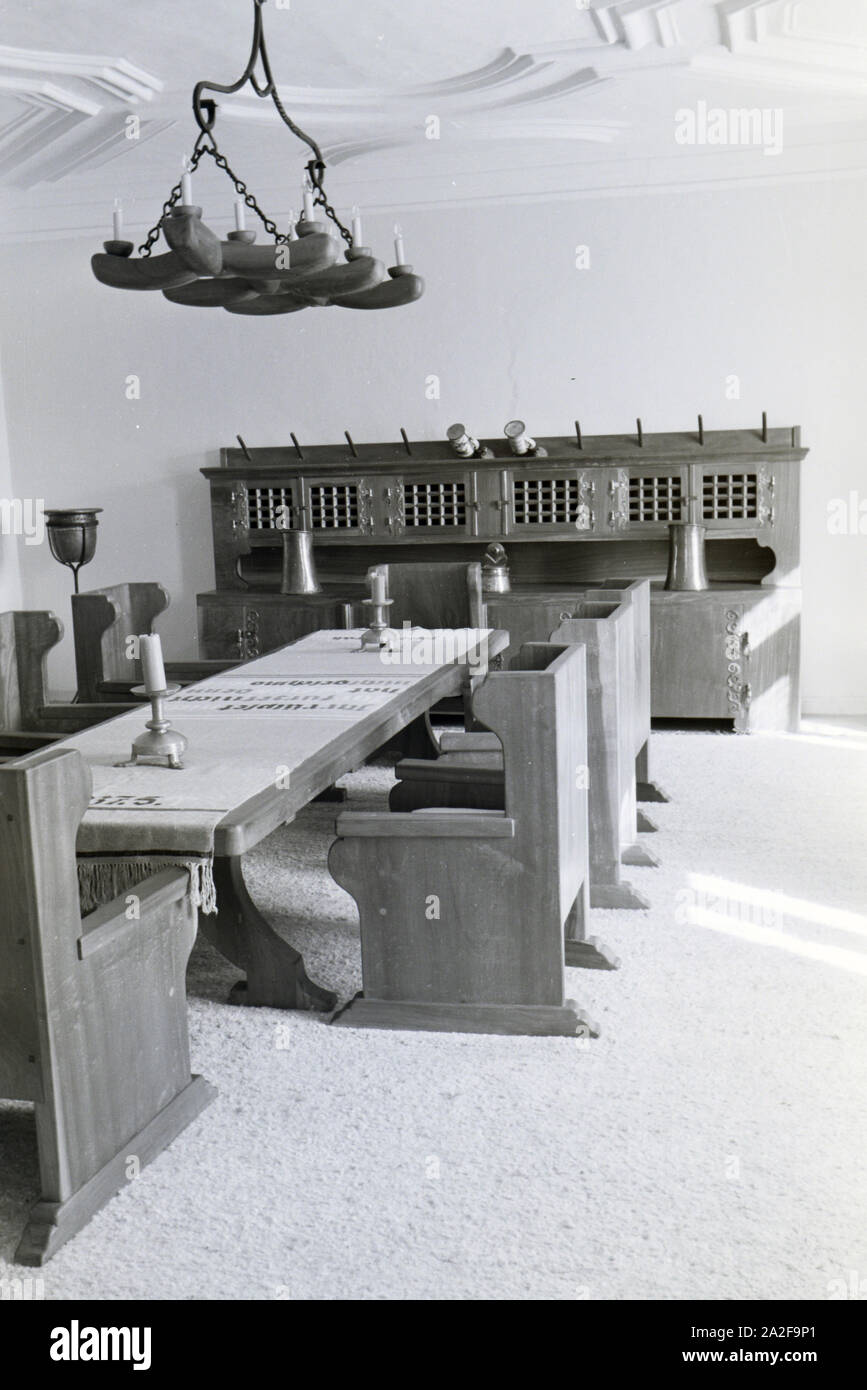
[(534, 99)]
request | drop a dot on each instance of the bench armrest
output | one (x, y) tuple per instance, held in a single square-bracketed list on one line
[(109, 923), (442, 769), (470, 743), (434, 824)]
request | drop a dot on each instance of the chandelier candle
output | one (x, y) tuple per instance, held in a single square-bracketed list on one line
[(399, 253), (240, 219), (117, 220), (186, 189)]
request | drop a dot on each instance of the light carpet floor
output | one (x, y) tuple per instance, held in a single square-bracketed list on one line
[(710, 1144)]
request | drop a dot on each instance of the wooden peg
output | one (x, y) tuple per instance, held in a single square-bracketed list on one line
[(640, 433), (406, 443), (352, 447), (700, 430), (764, 427), (298, 449), (578, 438), (247, 455)]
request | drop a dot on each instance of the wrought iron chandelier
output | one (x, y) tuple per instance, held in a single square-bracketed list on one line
[(311, 264)]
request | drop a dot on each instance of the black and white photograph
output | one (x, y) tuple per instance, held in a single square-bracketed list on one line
[(433, 665)]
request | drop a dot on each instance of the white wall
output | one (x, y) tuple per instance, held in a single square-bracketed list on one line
[(10, 573), (683, 290)]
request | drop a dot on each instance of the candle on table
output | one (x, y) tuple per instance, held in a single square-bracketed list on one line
[(308, 200), (399, 254), (117, 220), (356, 225), (378, 591), (153, 671), (240, 219)]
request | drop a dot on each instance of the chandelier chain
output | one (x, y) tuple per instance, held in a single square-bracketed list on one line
[(316, 169), (199, 149)]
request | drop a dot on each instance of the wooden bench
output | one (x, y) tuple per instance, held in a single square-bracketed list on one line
[(464, 914), (28, 719), (103, 622), (433, 594), (637, 593), (93, 1024), (469, 770)]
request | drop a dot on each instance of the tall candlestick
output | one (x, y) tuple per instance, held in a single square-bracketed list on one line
[(356, 225), (153, 671), (399, 254), (308, 200), (240, 219), (378, 591), (117, 220)]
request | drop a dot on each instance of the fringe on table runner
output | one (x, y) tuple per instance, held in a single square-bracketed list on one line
[(101, 880)]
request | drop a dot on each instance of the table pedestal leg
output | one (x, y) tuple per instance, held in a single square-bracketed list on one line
[(276, 977)]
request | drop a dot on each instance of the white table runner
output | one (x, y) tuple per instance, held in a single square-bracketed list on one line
[(248, 730)]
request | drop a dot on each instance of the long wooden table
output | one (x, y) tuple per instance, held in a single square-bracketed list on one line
[(263, 740)]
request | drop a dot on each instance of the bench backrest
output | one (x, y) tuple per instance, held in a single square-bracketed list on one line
[(102, 621), (606, 630), (42, 800), (92, 1011), (636, 592), (537, 709), (25, 641), (431, 594)]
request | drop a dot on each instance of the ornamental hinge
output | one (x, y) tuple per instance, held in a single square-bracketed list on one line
[(248, 636), (365, 507), (394, 516), (239, 504), (618, 492)]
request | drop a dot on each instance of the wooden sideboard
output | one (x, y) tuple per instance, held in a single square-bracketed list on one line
[(576, 516)]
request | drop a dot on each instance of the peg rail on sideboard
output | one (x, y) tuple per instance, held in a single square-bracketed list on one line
[(577, 516)]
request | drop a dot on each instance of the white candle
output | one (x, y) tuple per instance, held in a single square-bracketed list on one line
[(399, 253), (378, 591), (153, 671), (117, 220), (186, 189), (356, 226), (293, 231), (308, 201), (240, 219)]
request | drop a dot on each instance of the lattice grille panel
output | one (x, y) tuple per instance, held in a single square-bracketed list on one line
[(334, 507), (263, 504), (546, 501), (434, 504), (655, 497), (730, 496)]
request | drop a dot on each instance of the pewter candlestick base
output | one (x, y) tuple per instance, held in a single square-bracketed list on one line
[(373, 639), (160, 742)]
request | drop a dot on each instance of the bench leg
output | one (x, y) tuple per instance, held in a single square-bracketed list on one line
[(639, 857), (52, 1223), (276, 977), (645, 790), (588, 952), (619, 895), (643, 823)]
